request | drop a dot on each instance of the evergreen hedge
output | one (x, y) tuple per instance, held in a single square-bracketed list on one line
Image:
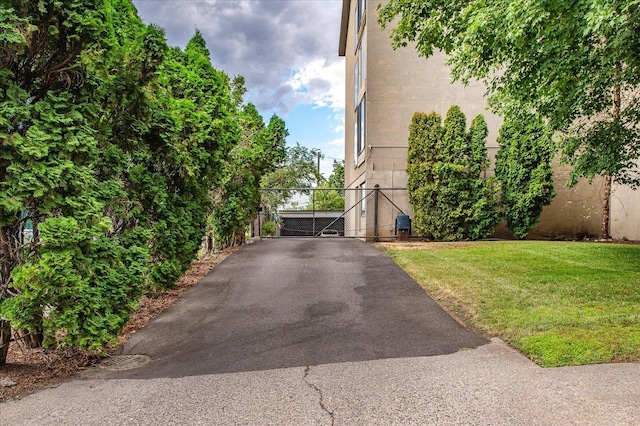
[(446, 165), (111, 146)]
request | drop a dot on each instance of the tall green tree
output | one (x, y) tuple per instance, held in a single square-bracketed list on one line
[(425, 138), (71, 284), (523, 167), (336, 179), (483, 189), (192, 128), (237, 200), (577, 64), (446, 165), (297, 170), (40, 89), (111, 144), (329, 196)]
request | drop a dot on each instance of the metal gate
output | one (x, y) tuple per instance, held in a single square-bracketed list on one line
[(330, 212)]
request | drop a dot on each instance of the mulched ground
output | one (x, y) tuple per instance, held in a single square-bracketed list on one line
[(28, 370)]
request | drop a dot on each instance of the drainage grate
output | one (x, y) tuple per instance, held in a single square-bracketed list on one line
[(124, 362)]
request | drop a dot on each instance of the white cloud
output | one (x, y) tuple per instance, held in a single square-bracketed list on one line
[(285, 49), (320, 84), (339, 118)]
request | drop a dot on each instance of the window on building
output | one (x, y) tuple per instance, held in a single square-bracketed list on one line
[(362, 121), (359, 131), (363, 59), (355, 144), (356, 83), (361, 6), (359, 82), (360, 71), (363, 200)]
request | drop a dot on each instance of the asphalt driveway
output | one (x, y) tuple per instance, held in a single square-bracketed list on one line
[(361, 344), (296, 302)]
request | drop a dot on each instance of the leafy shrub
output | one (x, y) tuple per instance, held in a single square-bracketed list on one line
[(269, 229), (237, 199), (523, 166), (82, 288), (111, 145)]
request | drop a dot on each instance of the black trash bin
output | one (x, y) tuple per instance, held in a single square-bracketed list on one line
[(403, 227)]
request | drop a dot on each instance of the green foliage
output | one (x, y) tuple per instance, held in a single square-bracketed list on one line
[(557, 302), (47, 143), (582, 73), (328, 197), (325, 198), (450, 198), (483, 190), (237, 200), (269, 229), (336, 179), (523, 167), (190, 130), (74, 292), (47, 176), (296, 170), (111, 145)]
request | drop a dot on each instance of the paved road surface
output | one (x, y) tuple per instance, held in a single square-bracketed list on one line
[(330, 332), (297, 302)]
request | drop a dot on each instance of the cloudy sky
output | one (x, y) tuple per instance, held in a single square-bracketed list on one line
[(287, 50)]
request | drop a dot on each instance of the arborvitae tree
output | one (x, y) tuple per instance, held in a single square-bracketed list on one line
[(425, 141), (193, 127), (53, 70), (451, 199), (485, 211), (523, 166), (237, 200), (589, 98), (454, 202), (111, 144)]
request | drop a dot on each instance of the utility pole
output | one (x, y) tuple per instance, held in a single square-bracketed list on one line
[(319, 154)]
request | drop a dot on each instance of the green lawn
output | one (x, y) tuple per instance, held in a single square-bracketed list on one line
[(560, 303)]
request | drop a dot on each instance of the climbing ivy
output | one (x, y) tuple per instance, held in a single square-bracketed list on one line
[(523, 167)]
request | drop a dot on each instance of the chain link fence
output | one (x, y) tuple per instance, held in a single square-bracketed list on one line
[(331, 212)]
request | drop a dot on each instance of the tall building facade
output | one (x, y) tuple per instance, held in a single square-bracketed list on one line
[(384, 88)]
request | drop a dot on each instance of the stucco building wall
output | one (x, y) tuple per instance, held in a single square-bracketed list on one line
[(399, 83)]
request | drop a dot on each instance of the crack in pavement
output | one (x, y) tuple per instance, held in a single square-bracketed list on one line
[(307, 370)]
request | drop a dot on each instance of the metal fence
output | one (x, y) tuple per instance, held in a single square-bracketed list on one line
[(331, 212)]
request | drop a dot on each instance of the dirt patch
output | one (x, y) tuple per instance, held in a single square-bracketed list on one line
[(421, 245), (426, 245), (28, 370)]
